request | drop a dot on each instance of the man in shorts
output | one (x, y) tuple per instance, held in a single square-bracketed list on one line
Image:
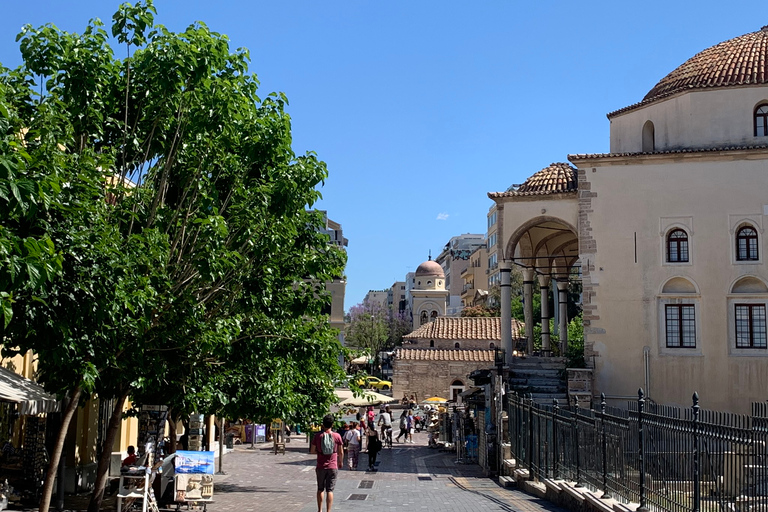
[(327, 464)]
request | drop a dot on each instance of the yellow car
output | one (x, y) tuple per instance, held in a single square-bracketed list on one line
[(373, 382)]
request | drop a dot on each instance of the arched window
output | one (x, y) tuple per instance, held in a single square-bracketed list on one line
[(761, 121), (457, 345), (431, 343), (677, 246), (746, 244), (492, 346), (649, 137), (434, 315), (749, 328), (423, 317)]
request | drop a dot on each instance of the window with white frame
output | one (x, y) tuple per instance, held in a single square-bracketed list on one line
[(491, 240), (491, 220), (746, 244), (677, 246), (750, 326), (747, 325), (680, 325)]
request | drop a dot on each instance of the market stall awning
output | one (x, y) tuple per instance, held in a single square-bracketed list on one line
[(30, 397), (347, 399)]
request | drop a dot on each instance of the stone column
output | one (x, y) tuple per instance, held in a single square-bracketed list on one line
[(562, 300), (505, 269), (545, 341), (528, 274)]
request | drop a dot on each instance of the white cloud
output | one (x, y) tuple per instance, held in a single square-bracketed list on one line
[(442, 216)]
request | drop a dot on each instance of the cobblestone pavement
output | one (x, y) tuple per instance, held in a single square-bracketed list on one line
[(409, 477)]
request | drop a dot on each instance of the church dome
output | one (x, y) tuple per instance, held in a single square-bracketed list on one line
[(430, 268), (557, 178), (738, 61)]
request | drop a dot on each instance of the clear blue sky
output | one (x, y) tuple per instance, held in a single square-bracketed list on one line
[(421, 107)]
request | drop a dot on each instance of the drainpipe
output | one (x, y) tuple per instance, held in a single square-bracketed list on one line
[(647, 367)]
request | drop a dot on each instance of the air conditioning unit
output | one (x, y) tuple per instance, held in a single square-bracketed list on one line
[(487, 271)]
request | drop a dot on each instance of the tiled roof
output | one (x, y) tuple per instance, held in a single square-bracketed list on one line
[(738, 61), (592, 156), (464, 328), (434, 354), (558, 178)]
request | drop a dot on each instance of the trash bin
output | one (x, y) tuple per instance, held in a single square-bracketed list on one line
[(230, 439)]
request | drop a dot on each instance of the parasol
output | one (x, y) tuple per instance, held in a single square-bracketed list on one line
[(435, 400)]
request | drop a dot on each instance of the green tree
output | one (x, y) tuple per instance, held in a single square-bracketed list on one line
[(191, 268), (368, 328)]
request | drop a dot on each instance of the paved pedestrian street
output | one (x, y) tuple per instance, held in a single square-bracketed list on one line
[(409, 477)]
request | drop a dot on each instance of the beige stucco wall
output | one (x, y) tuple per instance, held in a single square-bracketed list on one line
[(709, 196), (696, 119)]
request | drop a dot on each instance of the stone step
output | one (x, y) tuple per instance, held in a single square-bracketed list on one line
[(536, 382), (528, 373), (553, 389), (507, 481)]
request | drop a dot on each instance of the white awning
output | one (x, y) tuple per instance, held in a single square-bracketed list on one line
[(30, 396)]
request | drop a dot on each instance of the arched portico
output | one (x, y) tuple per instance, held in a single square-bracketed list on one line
[(539, 234)]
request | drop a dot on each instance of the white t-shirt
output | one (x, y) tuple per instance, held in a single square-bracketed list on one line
[(352, 437), (385, 418)]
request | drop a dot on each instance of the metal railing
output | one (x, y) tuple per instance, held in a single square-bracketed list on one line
[(662, 457)]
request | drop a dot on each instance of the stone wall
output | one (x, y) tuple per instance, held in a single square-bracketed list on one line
[(430, 378)]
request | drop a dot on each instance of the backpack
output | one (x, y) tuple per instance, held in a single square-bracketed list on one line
[(327, 444)]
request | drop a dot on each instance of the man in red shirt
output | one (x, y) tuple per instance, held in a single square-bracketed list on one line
[(327, 464)]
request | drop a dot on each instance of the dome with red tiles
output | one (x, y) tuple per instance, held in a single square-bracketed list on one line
[(557, 178), (738, 61)]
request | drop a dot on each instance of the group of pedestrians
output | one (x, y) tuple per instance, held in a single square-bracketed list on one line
[(331, 447), (407, 425)]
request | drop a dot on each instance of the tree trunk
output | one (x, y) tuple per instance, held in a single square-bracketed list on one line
[(45, 499), (102, 469), (172, 417)]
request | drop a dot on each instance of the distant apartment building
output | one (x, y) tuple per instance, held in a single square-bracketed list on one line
[(396, 300), (454, 259), (492, 258), (376, 297), (474, 291), (337, 286)]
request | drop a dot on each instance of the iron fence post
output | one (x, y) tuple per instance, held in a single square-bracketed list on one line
[(555, 453), (640, 405), (529, 455), (576, 444), (606, 495), (696, 455)]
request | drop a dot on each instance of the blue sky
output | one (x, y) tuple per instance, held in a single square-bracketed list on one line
[(420, 108)]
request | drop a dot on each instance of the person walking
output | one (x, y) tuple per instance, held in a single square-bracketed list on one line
[(374, 447), (385, 421), (403, 426), (353, 440), (409, 427), (328, 446)]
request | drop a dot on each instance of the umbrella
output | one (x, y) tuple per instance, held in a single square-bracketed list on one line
[(435, 400), (367, 398)]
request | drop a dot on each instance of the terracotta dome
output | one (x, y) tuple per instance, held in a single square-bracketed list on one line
[(557, 178), (430, 268), (738, 61)]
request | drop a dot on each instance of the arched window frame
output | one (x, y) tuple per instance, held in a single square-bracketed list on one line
[(760, 120), (457, 345), (747, 243), (678, 247), (672, 305), (747, 323)]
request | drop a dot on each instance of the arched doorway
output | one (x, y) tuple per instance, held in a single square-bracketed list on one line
[(457, 386)]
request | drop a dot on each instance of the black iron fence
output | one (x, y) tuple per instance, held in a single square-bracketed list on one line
[(662, 457)]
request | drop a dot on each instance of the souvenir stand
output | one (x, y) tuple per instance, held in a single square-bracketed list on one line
[(136, 482), (23, 454), (277, 428), (187, 481)]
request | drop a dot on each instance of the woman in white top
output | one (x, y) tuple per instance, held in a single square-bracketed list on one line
[(352, 439)]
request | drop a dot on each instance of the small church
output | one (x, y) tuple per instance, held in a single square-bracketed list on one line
[(437, 357)]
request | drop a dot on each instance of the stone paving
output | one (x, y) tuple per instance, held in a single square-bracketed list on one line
[(409, 477)]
